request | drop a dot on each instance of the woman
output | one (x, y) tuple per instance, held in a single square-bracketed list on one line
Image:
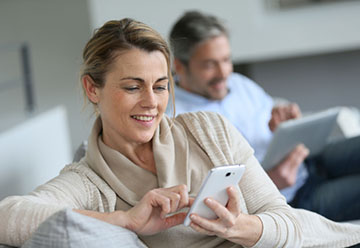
[(141, 167)]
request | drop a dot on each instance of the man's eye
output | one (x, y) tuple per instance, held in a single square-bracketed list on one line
[(227, 60), (208, 65)]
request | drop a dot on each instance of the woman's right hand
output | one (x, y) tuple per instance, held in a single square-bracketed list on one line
[(149, 216)]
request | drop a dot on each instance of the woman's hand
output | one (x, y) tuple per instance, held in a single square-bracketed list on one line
[(232, 224), (149, 216)]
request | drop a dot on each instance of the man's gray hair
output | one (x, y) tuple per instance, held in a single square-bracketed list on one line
[(190, 30)]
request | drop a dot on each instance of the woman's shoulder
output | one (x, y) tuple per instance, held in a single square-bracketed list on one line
[(197, 122), (202, 117), (221, 141), (80, 167), (91, 179), (83, 170), (205, 125)]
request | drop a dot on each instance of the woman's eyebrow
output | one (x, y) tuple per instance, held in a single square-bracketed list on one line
[(142, 80), (133, 78), (162, 78)]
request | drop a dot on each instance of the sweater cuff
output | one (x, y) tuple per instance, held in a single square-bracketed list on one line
[(269, 235)]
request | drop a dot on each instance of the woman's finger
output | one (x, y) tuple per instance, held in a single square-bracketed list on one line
[(221, 211), (178, 195), (234, 200), (210, 226), (175, 219), (159, 200), (200, 229), (173, 198), (184, 195)]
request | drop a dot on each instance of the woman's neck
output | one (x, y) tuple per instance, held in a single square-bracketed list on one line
[(140, 154), (144, 157)]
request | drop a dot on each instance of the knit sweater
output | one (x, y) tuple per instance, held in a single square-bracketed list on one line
[(184, 151)]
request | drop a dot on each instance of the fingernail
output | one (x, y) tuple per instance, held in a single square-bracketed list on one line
[(192, 217), (208, 200)]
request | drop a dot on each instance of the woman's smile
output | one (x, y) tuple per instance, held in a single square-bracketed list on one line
[(144, 120)]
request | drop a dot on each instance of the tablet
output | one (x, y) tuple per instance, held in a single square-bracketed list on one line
[(313, 131)]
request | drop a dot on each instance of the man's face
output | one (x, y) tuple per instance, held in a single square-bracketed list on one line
[(208, 69)]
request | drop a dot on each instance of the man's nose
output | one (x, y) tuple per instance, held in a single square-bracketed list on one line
[(222, 70)]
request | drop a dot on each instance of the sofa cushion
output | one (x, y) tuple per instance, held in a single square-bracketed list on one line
[(67, 228)]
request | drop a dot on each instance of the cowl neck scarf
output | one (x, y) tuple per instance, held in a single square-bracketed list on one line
[(129, 181)]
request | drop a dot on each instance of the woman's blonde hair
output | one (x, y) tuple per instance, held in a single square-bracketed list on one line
[(115, 37)]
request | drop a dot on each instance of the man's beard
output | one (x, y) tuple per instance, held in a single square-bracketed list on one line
[(215, 81)]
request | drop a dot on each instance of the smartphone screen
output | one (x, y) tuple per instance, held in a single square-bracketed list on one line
[(215, 185)]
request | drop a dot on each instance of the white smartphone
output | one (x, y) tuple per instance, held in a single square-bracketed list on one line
[(215, 185)]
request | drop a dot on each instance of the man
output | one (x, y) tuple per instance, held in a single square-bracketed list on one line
[(328, 184)]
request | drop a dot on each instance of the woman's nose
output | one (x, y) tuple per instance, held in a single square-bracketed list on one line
[(148, 99)]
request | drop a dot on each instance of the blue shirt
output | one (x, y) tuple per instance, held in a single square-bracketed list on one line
[(248, 107)]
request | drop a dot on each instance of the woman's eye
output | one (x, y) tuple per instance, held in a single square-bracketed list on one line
[(131, 88), (161, 88)]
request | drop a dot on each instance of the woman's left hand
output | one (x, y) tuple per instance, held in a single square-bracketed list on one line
[(231, 223)]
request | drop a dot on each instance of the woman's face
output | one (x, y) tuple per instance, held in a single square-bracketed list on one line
[(134, 97)]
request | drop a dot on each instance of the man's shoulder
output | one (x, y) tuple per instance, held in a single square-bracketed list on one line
[(188, 102), (242, 86), (237, 80)]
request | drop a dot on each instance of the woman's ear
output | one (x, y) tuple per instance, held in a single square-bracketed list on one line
[(92, 91)]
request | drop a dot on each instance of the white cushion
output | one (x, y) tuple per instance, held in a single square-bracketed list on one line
[(67, 228)]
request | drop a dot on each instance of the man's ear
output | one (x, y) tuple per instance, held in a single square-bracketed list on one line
[(179, 66), (92, 91)]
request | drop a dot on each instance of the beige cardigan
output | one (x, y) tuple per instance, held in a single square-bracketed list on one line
[(105, 180)]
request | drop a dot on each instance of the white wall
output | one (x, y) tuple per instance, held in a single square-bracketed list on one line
[(258, 31), (56, 32), (314, 82)]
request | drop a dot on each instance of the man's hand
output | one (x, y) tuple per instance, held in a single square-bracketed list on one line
[(282, 113), (284, 174)]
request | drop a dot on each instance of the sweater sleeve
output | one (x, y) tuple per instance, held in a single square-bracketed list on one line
[(281, 228), (21, 215)]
